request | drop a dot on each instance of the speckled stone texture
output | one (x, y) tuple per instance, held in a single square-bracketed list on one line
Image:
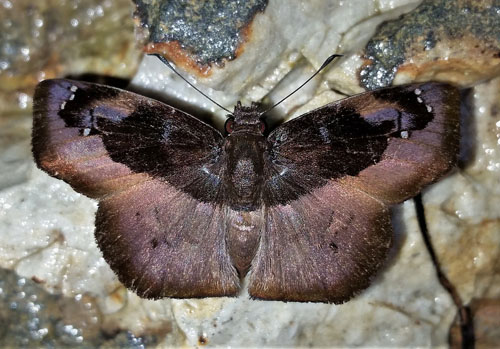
[(46, 229), (449, 32), (50, 38), (209, 31)]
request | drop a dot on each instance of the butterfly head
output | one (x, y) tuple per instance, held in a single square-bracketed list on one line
[(245, 120)]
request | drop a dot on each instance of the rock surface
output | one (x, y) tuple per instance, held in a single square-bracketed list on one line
[(47, 229)]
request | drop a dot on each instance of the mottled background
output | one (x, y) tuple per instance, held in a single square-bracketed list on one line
[(55, 288)]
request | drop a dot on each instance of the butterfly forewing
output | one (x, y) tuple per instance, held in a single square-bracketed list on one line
[(415, 127)]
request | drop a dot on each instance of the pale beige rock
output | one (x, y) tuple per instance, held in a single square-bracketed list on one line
[(47, 229), (464, 218)]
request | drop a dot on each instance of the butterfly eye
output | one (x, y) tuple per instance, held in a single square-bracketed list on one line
[(263, 126), (228, 126)]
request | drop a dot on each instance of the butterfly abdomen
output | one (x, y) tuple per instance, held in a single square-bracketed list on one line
[(243, 234)]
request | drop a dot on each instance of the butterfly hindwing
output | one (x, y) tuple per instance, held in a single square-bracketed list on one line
[(319, 248), (163, 243)]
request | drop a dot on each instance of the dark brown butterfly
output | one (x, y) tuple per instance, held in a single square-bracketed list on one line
[(304, 209)]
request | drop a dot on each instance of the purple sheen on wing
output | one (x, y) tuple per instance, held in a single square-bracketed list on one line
[(185, 212)]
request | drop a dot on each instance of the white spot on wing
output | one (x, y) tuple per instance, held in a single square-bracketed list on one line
[(418, 91), (212, 178), (405, 134), (166, 133), (325, 134), (72, 97), (246, 227), (419, 100), (73, 88), (86, 131), (63, 104), (429, 108)]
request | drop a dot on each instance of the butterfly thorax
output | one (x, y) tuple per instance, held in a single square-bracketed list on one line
[(245, 120), (244, 147)]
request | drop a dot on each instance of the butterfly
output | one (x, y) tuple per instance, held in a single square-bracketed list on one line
[(302, 210)]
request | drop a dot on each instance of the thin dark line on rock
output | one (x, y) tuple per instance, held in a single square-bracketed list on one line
[(464, 312)]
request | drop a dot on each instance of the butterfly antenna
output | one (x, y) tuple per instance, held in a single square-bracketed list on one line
[(323, 66), (167, 63)]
